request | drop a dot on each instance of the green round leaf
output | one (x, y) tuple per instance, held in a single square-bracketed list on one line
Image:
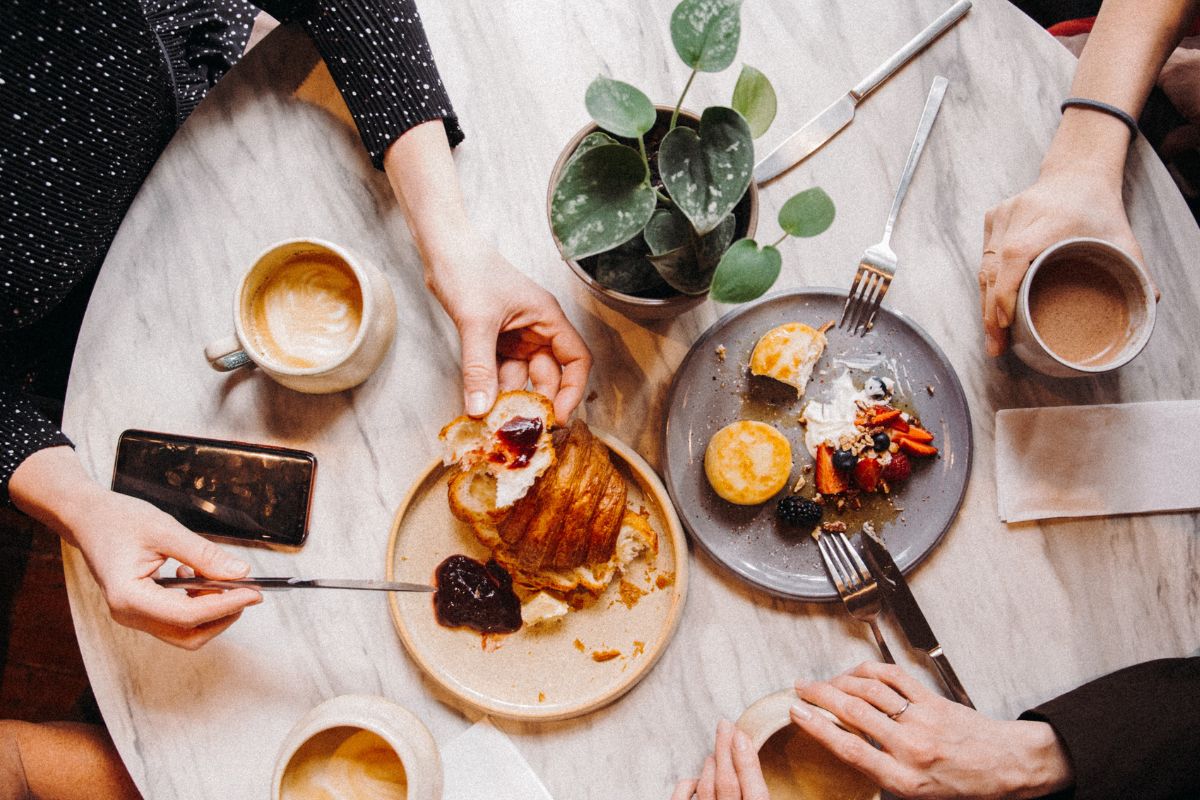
[(619, 108), (603, 198), (707, 172), (808, 213), (593, 139), (705, 33), (754, 99), (667, 230), (745, 272), (688, 266)]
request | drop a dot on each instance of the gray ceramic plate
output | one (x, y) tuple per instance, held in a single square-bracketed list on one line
[(709, 393)]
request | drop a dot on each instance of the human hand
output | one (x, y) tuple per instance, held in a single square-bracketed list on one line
[(1074, 200), (929, 747), (732, 772), (512, 330), (125, 540)]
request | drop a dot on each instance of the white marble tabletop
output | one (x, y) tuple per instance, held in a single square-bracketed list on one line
[(1025, 611)]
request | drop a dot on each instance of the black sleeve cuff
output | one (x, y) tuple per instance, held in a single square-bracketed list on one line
[(23, 431), (380, 59), (1134, 733)]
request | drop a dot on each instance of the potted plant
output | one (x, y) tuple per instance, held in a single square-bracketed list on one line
[(654, 207)]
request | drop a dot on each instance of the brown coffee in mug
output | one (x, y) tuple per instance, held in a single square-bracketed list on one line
[(1085, 307)]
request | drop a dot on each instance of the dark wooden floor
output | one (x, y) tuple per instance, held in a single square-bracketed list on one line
[(43, 676)]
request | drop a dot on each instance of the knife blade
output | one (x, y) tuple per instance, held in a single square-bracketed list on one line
[(283, 584), (908, 614), (824, 126)]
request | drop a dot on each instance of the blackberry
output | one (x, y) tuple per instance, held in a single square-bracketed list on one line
[(795, 510)]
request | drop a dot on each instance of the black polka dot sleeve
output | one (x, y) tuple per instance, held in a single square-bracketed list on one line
[(380, 59), (23, 431)]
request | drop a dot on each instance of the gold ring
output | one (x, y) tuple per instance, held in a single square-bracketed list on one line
[(990, 252), (903, 708)]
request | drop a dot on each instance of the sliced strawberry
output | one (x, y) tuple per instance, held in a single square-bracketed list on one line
[(898, 424), (898, 469), (885, 417), (828, 478), (918, 434), (917, 448), (866, 474)]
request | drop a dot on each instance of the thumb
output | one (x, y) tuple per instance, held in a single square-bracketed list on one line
[(479, 366), (204, 557)]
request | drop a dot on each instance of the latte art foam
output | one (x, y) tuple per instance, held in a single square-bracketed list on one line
[(363, 767), (307, 312)]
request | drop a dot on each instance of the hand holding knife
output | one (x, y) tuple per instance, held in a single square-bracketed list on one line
[(899, 598)]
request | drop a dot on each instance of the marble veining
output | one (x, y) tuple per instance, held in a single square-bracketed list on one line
[(1025, 611)]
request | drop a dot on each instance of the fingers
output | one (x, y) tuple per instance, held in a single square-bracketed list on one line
[(545, 373), (903, 683), (879, 695), (202, 555), (576, 361), (175, 608), (749, 770), (725, 779), (855, 712), (479, 369), (706, 783), (514, 374), (685, 789), (850, 748), (194, 638)]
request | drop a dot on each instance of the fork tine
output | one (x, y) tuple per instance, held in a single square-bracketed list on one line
[(858, 562), (850, 296), (870, 303), (832, 565), (863, 301), (855, 580), (884, 286)]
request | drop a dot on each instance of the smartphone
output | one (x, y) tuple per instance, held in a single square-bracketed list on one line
[(230, 490)]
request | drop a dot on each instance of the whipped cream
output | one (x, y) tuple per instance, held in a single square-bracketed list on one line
[(831, 420)]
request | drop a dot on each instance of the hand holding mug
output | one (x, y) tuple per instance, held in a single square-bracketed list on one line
[(1064, 203), (929, 747)]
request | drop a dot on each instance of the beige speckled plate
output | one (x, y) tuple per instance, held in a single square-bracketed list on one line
[(546, 672)]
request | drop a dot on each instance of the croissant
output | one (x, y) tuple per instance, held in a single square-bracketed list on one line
[(572, 515)]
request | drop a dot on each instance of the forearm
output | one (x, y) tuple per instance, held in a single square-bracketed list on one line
[(52, 487), (1127, 48), (423, 177)]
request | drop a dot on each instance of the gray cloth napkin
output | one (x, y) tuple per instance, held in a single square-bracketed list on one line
[(1086, 461), (484, 763)]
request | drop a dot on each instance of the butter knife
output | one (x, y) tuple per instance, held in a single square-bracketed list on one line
[(900, 600), (282, 584), (823, 127)]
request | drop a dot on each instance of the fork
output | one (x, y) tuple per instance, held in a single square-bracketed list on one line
[(854, 583), (878, 265)]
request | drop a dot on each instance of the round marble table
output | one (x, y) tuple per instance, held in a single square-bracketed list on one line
[(1025, 611)]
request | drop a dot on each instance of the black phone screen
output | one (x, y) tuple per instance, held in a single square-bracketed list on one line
[(228, 489)]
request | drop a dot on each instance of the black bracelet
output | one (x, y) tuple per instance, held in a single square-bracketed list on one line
[(1084, 102)]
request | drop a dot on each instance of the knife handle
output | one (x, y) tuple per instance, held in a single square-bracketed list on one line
[(950, 678), (905, 54)]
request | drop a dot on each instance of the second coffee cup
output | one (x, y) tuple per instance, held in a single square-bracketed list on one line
[(1085, 307), (311, 315)]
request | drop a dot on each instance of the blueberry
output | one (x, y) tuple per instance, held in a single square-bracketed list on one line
[(795, 510), (844, 460), (881, 441)]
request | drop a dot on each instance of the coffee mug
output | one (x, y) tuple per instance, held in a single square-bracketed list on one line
[(1085, 307), (310, 315)]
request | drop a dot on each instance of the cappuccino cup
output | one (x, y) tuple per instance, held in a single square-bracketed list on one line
[(311, 316), (1085, 307)]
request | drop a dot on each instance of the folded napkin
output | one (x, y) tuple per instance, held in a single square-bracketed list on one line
[(1085, 461), (484, 763)]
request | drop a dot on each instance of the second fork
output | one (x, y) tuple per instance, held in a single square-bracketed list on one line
[(854, 583), (878, 265)]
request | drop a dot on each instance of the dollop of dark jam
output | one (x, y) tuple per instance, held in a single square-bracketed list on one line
[(476, 595), (519, 436)]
